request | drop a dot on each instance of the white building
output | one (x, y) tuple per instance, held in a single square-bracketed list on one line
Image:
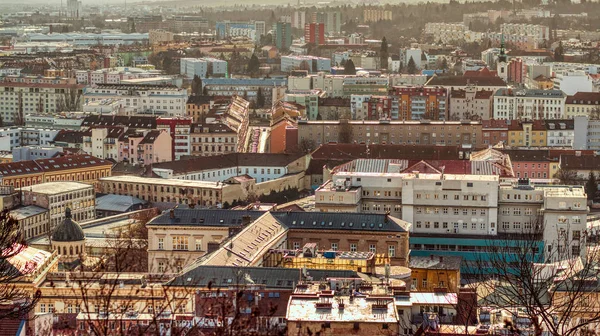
[(407, 53), (165, 100), (106, 106), (459, 204), (26, 153), (89, 39), (113, 75), (510, 104), (305, 62), (19, 99), (200, 67), (571, 82)]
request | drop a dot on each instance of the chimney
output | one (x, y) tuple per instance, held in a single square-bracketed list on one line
[(416, 172), (441, 259), (431, 257), (172, 214)]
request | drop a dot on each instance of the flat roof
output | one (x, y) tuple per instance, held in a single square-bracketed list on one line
[(56, 187), (27, 211), (361, 309), (161, 181)]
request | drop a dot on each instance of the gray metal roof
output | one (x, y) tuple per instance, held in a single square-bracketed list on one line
[(271, 277), (120, 203), (204, 217), (340, 221)]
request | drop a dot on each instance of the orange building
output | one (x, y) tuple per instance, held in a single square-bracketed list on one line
[(417, 102), (284, 136), (80, 168), (197, 107)]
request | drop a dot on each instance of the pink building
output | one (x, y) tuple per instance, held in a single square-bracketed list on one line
[(145, 147), (515, 71)]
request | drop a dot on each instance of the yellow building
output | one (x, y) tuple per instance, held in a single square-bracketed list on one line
[(543, 83), (311, 257), (435, 273), (527, 134), (81, 168), (583, 104)]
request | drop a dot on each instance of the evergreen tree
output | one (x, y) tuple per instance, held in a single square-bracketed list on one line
[(411, 67), (253, 65), (444, 64), (197, 86), (591, 186), (349, 68), (383, 54), (559, 53), (260, 98)]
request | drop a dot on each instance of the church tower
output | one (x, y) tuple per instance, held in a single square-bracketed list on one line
[(502, 64)]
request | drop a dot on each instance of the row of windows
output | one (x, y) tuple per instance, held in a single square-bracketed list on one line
[(455, 225), (455, 197), (447, 211)]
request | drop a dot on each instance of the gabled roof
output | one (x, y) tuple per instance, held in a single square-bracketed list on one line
[(150, 137), (584, 98), (50, 164), (71, 136), (584, 162)]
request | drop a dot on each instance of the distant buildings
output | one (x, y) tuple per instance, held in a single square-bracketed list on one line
[(90, 39), (253, 30), (311, 63), (203, 67), (282, 35), (165, 100), (314, 33), (529, 104), (375, 15)]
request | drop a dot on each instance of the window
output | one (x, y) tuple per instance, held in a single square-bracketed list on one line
[(424, 283), (517, 211), (180, 243), (391, 251), (576, 235), (445, 211), (372, 248), (506, 225), (50, 308), (528, 212), (198, 245), (418, 224), (455, 212), (334, 246), (42, 308), (444, 225), (161, 266), (296, 245), (161, 243), (353, 247)]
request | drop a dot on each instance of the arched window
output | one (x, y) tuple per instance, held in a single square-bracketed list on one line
[(77, 250), (64, 250), (70, 250)]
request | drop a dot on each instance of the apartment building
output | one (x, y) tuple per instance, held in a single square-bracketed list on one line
[(243, 87), (153, 147), (197, 107), (418, 102), (178, 237), (583, 104), (314, 33), (470, 104), (446, 32), (150, 99), (457, 205), (18, 99), (33, 220), (312, 64), (26, 153), (353, 85), (212, 139), (424, 132), (103, 142), (203, 67), (375, 15), (529, 104), (560, 133), (201, 193), (56, 197), (113, 75), (587, 133), (158, 36), (526, 133), (332, 21), (573, 81), (60, 122), (383, 235), (82, 168), (218, 168), (179, 129)]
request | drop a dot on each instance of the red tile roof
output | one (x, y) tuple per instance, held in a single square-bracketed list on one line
[(584, 98), (51, 164)]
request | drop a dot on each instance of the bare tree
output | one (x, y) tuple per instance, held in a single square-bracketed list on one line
[(12, 242), (567, 177), (545, 285), (306, 145), (69, 99)]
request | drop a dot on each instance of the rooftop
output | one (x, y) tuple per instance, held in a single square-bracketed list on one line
[(27, 211), (120, 203), (51, 188), (435, 262), (161, 181), (205, 217)]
